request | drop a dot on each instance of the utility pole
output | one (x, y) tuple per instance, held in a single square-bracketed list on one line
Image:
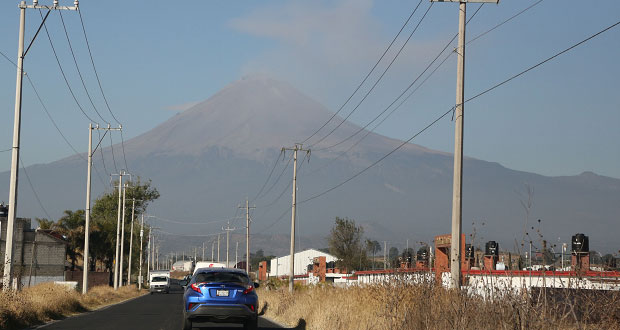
[(141, 235), (384, 255), (203, 251), (236, 254), (228, 230), (133, 207), (212, 250), (218, 248), (21, 54), (91, 152), (122, 237), (291, 276), (118, 231), (247, 234), (457, 188)]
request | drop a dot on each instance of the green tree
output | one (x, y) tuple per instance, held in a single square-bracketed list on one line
[(373, 246), (104, 220), (71, 225), (393, 257), (345, 242)]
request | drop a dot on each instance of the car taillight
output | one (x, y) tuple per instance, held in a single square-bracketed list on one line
[(195, 288), (190, 306), (248, 290)]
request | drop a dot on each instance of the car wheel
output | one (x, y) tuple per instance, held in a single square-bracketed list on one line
[(187, 324), (251, 324)]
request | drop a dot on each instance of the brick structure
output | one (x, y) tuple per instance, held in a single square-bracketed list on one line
[(442, 254), (319, 267), (38, 255), (262, 271)]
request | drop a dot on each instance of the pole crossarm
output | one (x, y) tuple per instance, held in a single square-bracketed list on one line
[(106, 130)]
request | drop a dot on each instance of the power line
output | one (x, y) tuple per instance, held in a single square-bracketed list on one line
[(268, 177), (378, 80), (77, 67), (101, 153), (367, 75), (504, 22), (192, 223), (544, 61), (379, 160), (63, 72), (5, 150), (95, 69), (452, 109), (277, 179), (112, 150), (123, 148), (92, 61), (36, 196), (287, 186), (420, 85), (405, 90)]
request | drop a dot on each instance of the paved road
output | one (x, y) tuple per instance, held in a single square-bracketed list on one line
[(152, 312)]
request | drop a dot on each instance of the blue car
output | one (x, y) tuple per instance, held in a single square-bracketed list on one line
[(220, 295)]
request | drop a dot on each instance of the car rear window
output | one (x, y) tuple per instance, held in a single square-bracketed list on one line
[(159, 279), (222, 277)]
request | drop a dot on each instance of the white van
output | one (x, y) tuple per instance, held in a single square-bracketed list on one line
[(159, 281)]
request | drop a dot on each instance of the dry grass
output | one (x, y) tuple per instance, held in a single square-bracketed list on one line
[(47, 301), (407, 306)]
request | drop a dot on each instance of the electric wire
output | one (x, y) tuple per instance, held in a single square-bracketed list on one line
[(63, 73), (280, 196), (34, 192), (268, 177), (405, 90), (287, 186), (49, 115), (105, 169), (378, 80), (367, 75), (277, 179), (544, 61), (454, 107), (503, 22), (112, 151), (123, 148), (192, 223), (420, 85), (95, 69), (105, 99), (5, 150), (77, 67)]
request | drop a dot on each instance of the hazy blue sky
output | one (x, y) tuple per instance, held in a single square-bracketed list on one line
[(156, 56)]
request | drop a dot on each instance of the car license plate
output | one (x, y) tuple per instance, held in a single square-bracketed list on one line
[(221, 293)]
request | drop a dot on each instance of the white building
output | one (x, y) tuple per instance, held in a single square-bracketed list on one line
[(281, 266)]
